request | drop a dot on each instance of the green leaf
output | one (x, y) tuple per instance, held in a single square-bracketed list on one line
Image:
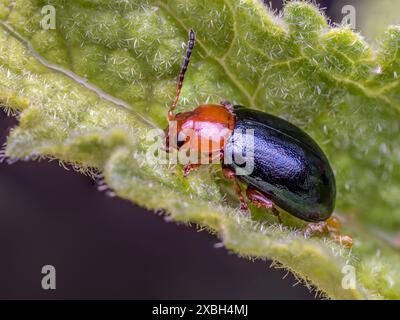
[(88, 92)]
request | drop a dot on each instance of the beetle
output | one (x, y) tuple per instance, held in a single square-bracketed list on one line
[(290, 170)]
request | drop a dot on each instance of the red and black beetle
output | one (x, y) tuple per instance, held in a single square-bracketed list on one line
[(290, 169)]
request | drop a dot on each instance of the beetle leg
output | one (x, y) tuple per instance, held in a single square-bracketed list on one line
[(329, 227), (260, 200), (227, 105), (312, 229), (188, 168), (230, 174), (332, 225)]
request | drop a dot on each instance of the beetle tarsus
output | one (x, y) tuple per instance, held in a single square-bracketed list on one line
[(329, 227), (188, 168), (318, 228), (260, 200), (244, 209), (343, 240)]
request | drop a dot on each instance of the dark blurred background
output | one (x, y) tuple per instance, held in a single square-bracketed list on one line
[(106, 247)]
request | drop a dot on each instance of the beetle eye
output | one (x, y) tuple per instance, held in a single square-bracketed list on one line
[(181, 139)]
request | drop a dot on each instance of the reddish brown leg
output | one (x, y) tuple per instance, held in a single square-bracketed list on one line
[(260, 200), (230, 174), (312, 229), (188, 168), (329, 227)]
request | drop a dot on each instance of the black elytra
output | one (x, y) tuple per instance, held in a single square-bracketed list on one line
[(289, 166)]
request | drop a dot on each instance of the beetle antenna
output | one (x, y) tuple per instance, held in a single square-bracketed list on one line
[(192, 39)]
